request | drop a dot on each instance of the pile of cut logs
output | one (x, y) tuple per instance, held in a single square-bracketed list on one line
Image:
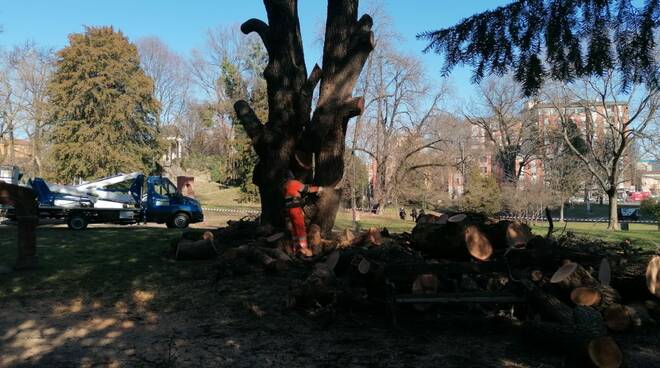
[(568, 292)]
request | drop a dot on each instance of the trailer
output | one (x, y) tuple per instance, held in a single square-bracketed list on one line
[(119, 199)]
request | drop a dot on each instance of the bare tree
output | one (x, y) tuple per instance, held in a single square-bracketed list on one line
[(613, 120), (397, 125), (500, 115), (563, 174), (32, 67), (170, 75), (9, 109)]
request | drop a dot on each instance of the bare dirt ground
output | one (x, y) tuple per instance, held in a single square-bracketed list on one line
[(240, 322), (243, 322)]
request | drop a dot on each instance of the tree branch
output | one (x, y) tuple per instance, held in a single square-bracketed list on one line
[(353, 107), (248, 118), (260, 27)]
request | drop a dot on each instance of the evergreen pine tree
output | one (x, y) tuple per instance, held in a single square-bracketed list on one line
[(103, 108)]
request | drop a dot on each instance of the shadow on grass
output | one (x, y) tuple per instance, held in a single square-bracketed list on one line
[(93, 293)]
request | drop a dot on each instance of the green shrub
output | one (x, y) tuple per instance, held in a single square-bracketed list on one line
[(482, 194), (651, 207)]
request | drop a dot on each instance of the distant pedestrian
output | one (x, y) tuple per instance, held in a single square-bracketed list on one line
[(413, 214), (402, 213)]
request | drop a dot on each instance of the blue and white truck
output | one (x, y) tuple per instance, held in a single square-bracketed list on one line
[(119, 199)]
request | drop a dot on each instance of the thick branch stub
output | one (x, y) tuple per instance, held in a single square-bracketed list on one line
[(260, 27), (365, 23), (354, 107), (253, 126)]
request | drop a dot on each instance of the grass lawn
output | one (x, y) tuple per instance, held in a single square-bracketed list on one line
[(98, 262), (109, 261), (643, 235)]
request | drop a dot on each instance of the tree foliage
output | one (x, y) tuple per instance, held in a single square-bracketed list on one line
[(482, 194), (103, 108), (575, 37), (651, 206)]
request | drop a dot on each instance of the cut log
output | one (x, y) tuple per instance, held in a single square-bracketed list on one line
[(571, 276), (363, 266), (548, 306), (275, 237), (653, 276), (425, 284), (617, 318), (373, 237), (430, 218), (518, 235), (605, 353), (589, 321), (258, 256), (451, 241), (608, 297), (195, 250), (208, 236), (639, 315), (276, 253), (585, 296), (314, 236), (457, 218), (346, 238), (477, 244), (637, 277), (331, 261), (604, 272), (653, 307), (563, 272), (580, 340)]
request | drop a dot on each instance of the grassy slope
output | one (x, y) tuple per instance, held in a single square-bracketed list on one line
[(212, 195)]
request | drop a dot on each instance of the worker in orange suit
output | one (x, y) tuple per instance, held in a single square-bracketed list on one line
[(293, 193)]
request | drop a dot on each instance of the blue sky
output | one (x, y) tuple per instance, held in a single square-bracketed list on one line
[(182, 24)]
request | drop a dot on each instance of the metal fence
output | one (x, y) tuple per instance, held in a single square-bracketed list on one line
[(255, 212)]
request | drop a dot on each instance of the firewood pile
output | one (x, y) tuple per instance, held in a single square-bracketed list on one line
[(570, 293)]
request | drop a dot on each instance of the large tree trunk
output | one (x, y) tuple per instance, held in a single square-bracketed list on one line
[(614, 217), (292, 139)]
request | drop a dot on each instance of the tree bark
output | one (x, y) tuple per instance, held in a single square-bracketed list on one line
[(24, 201), (614, 216), (290, 129)]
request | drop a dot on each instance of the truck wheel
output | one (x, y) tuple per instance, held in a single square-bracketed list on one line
[(77, 222), (179, 221)]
